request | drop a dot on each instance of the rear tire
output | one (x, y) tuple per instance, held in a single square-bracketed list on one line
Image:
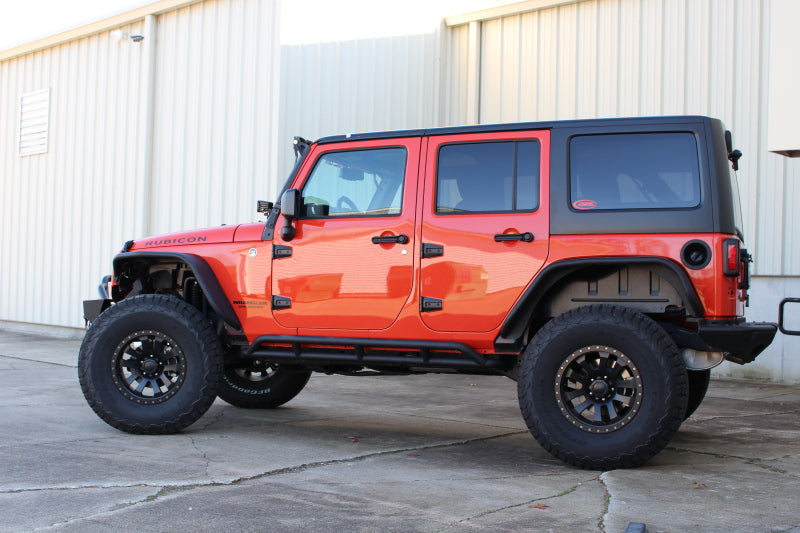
[(150, 364), (263, 386), (698, 386), (602, 387)]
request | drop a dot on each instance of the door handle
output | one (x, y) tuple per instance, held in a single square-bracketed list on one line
[(524, 237), (399, 239)]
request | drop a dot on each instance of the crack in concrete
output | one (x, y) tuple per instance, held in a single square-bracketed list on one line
[(37, 361), (734, 417), (442, 418), (790, 529), (79, 487), (203, 455), (757, 461), (176, 488), (119, 507), (436, 480), (465, 521), (601, 523), (317, 464)]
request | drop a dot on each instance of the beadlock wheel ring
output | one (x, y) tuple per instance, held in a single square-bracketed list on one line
[(148, 367), (598, 389)]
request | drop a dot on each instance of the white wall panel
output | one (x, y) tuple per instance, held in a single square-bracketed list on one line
[(455, 85), (605, 58), (214, 145), (65, 212), (357, 86)]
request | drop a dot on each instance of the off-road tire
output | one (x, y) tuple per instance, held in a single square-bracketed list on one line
[(698, 386), (150, 364), (620, 354), (261, 387)]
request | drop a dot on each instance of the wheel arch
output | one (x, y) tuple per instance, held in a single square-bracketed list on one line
[(132, 262), (536, 297)]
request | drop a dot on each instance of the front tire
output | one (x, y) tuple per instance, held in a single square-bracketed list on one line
[(150, 365), (602, 387)]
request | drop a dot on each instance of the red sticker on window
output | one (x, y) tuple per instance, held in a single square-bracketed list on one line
[(584, 204)]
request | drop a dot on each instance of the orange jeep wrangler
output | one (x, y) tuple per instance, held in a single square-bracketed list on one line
[(598, 263)]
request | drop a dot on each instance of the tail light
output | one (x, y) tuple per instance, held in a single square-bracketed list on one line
[(731, 257)]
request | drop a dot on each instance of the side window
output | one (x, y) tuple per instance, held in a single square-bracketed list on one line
[(356, 183), (488, 177), (634, 171)]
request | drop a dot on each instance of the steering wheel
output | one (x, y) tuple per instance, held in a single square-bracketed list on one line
[(345, 205)]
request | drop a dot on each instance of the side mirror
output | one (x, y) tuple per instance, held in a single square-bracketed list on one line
[(290, 209), (290, 203)]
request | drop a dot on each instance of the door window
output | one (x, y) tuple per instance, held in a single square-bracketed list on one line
[(356, 183), (488, 177)]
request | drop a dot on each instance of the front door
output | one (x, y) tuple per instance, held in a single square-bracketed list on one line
[(350, 265), (485, 226)]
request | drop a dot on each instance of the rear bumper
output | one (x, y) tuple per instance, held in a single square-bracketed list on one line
[(742, 342)]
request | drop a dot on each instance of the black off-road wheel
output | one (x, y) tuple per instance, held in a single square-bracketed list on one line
[(150, 364), (260, 385), (698, 386), (602, 387)]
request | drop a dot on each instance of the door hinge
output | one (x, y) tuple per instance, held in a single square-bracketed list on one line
[(431, 250), (430, 304), (279, 302), (279, 252)]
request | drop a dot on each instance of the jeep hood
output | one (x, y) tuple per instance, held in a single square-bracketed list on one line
[(186, 238)]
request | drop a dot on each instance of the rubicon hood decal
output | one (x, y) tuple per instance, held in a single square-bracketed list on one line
[(205, 236)]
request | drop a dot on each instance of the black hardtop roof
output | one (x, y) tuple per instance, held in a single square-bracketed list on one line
[(517, 126)]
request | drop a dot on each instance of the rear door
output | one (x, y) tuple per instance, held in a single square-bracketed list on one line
[(350, 265), (485, 226)]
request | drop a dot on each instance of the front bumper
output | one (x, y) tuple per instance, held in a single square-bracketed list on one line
[(93, 308), (742, 342)]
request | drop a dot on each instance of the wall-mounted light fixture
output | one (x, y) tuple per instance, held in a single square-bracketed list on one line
[(122, 35)]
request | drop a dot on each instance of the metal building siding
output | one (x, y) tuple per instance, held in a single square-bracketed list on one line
[(59, 226), (66, 213), (355, 86), (214, 144), (602, 58), (453, 84)]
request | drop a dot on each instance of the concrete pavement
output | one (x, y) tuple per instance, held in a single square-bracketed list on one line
[(435, 453)]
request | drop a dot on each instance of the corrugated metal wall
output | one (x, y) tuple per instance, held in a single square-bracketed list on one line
[(603, 58), (66, 213), (356, 86), (214, 150), (62, 210)]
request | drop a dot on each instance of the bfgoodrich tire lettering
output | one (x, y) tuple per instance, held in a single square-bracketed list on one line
[(150, 364), (602, 387), (261, 386)]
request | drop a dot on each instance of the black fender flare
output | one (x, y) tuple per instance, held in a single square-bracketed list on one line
[(509, 339), (205, 277)]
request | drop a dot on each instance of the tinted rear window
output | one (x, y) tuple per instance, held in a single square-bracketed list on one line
[(634, 171)]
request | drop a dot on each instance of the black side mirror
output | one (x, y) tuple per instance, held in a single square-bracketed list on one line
[(290, 203), (290, 209)]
